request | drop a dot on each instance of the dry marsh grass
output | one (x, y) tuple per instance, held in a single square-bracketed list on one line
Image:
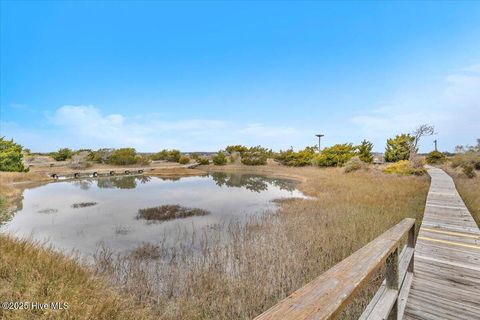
[(469, 189), (33, 274), (238, 270), (13, 183)]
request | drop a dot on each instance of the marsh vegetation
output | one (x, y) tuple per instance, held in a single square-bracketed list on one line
[(240, 269), (168, 212)]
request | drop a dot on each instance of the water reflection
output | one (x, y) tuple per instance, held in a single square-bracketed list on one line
[(124, 182), (57, 213), (251, 182)]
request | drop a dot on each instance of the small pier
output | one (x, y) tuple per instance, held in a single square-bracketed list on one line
[(96, 173)]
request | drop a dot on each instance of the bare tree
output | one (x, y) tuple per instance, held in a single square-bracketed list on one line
[(421, 131)]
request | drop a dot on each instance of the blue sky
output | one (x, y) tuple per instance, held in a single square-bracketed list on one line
[(202, 75)]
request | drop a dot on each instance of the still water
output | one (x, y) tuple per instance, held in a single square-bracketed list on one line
[(53, 214)]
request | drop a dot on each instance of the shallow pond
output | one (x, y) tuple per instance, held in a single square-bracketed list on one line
[(79, 215)]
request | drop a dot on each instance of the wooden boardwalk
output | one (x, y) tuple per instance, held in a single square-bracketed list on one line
[(446, 281)]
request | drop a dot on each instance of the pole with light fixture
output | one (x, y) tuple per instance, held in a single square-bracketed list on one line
[(319, 140)]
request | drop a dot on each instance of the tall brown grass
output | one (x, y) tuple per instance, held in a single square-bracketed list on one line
[(32, 274), (469, 189), (237, 270)]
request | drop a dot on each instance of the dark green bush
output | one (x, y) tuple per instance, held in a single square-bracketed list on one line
[(219, 159), (335, 156), (123, 156), (435, 157), (399, 148), (296, 159), (11, 157), (62, 154), (364, 151), (167, 155)]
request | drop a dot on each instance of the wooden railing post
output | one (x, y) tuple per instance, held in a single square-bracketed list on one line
[(411, 244), (392, 280)]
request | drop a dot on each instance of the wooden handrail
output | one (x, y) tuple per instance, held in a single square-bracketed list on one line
[(327, 296)]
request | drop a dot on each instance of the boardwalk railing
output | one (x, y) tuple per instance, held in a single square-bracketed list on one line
[(328, 295)]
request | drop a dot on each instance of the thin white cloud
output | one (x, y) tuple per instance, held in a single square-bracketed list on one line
[(454, 110), (85, 126)]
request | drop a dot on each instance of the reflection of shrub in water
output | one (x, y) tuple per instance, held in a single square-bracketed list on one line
[(251, 182), (170, 178), (169, 212), (48, 211), (126, 182), (83, 204), (83, 184)]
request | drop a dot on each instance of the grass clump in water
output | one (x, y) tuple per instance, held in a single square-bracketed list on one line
[(169, 212), (48, 211), (83, 204)]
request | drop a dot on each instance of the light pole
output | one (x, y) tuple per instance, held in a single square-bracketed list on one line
[(435, 141), (319, 140)]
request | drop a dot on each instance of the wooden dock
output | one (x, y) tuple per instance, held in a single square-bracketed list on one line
[(435, 278), (446, 281)]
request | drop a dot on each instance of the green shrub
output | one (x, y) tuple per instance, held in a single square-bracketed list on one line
[(195, 156), (11, 157), (404, 167), (184, 160), (364, 151), (335, 156), (203, 161), (100, 156), (255, 156), (468, 170), (296, 159), (236, 148), (435, 157), (219, 159), (123, 156), (354, 164), (62, 154), (167, 155), (399, 148)]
